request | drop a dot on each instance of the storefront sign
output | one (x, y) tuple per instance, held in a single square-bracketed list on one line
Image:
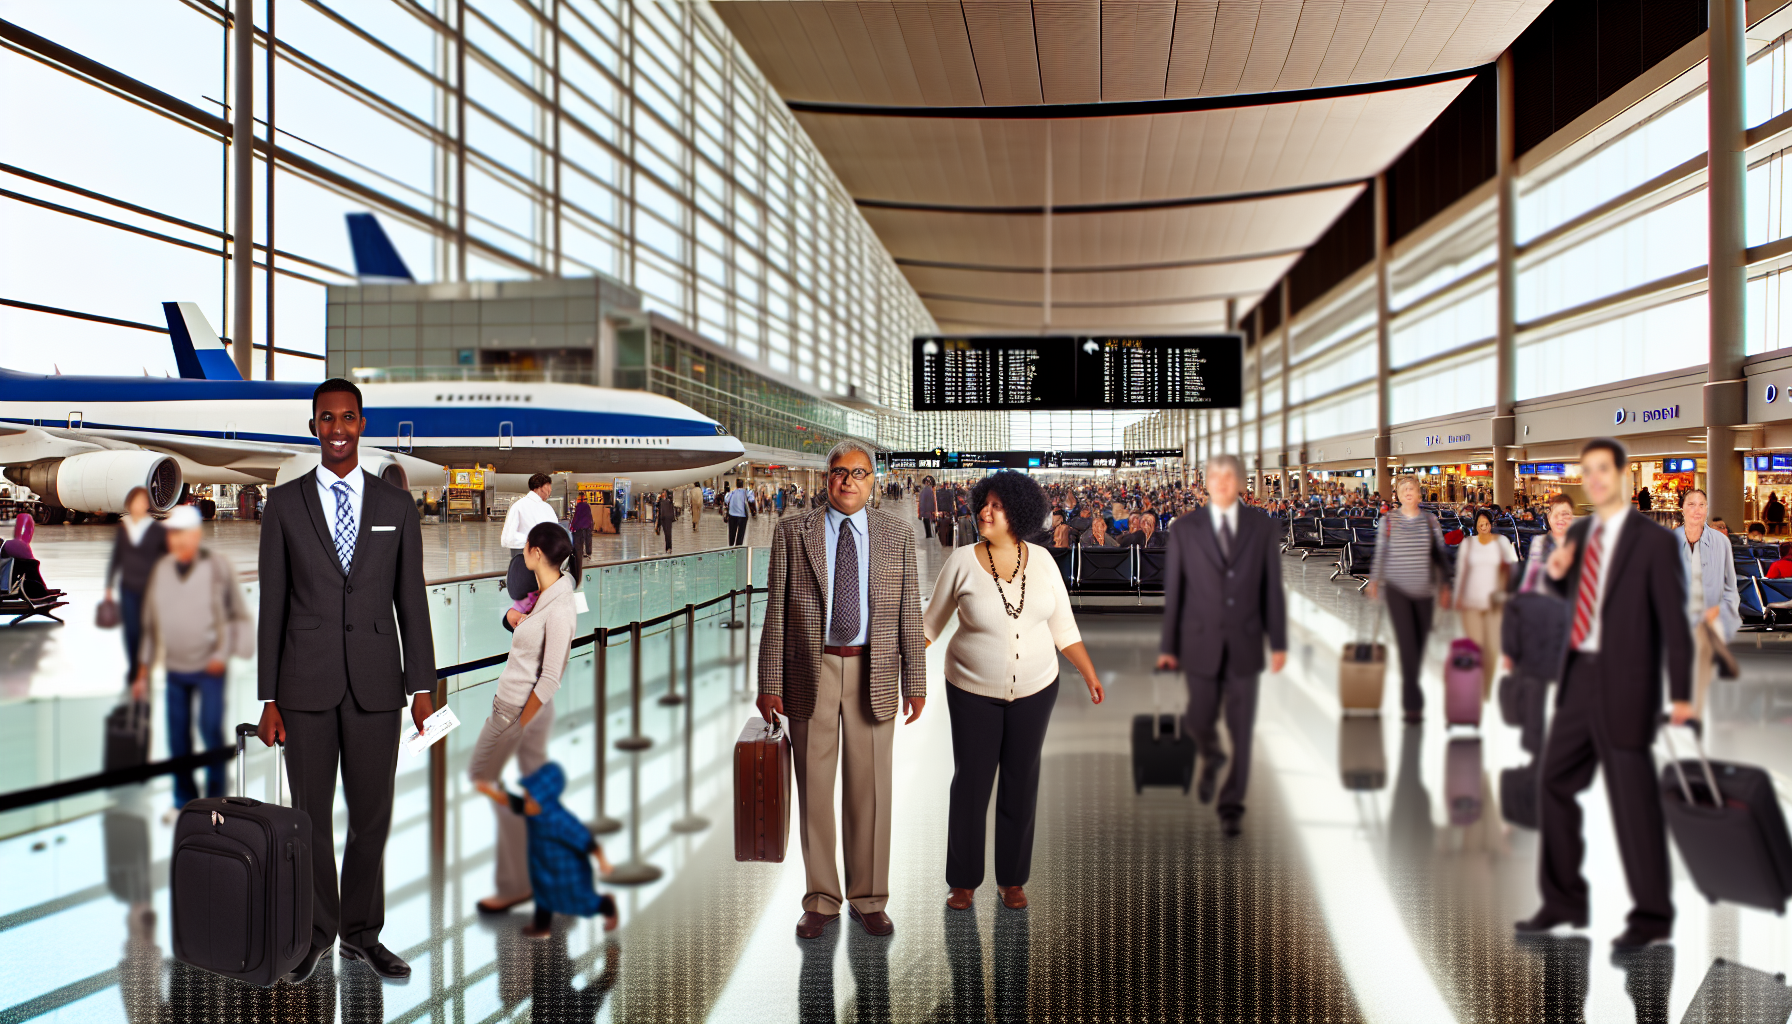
[(1781, 463), (1542, 468), (1679, 465)]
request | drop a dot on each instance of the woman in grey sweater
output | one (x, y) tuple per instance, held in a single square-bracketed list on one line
[(523, 711)]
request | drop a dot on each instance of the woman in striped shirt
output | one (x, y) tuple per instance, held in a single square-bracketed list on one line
[(1405, 570)]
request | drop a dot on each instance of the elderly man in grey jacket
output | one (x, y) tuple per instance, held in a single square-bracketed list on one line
[(1712, 600)]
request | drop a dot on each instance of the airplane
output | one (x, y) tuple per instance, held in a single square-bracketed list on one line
[(81, 443)]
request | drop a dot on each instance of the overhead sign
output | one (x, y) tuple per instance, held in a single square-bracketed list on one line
[(1679, 465), (940, 458), (1542, 468), (1028, 372)]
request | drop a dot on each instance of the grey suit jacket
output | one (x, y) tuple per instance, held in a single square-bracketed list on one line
[(322, 632), (1217, 611)]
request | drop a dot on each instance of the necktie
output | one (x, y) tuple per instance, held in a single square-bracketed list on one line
[(1225, 539), (845, 625), (345, 527), (1586, 601)]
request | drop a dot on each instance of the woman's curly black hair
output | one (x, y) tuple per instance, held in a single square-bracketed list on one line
[(1023, 501)]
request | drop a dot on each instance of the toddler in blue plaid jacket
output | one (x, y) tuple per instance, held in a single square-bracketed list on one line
[(560, 852)]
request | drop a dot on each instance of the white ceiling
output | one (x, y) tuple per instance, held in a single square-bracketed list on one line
[(1231, 191)]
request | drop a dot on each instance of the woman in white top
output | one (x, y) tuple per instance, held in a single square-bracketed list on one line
[(523, 709), (1712, 599), (1483, 563), (1014, 617)]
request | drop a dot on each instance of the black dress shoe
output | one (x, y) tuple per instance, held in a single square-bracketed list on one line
[(1546, 920), (384, 962), (1637, 937), (1210, 777), (302, 973), (1232, 825)]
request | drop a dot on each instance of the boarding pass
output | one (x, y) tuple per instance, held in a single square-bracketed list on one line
[(435, 727)]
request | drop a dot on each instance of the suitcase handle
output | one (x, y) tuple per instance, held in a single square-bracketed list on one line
[(1698, 735), (778, 727), (244, 730)]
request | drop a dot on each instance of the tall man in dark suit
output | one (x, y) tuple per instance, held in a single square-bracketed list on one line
[(341, 550), (1222, 598), (1623, 577)]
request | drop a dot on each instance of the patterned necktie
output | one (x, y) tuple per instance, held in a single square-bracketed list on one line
[(845, 625), (1588, 597), (345, 527)]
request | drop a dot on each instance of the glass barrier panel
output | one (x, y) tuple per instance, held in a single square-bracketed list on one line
[(591, 583), (762, 566), (482, 605), (444, 622), (656, 588), (621, 594), (682, 569)]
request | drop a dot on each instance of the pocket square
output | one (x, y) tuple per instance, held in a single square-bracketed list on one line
[(379, 529)]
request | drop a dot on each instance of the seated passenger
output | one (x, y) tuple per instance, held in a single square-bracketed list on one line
[(1782, 566), (559, 844), (1757, 533), (1097, 535), (25, 564), (1147, 535)]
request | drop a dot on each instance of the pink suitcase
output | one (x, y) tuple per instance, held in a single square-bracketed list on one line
[(1462, 683)]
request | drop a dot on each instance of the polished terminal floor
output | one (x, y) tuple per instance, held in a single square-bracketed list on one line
[(1391, 902)]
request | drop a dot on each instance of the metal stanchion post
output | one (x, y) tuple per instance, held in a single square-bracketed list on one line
[(634, 741), (634, 871), (731, 622), (691, 822), (671, 696), (604, 824)]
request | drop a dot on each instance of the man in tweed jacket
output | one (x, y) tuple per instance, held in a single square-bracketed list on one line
[(842, 635)]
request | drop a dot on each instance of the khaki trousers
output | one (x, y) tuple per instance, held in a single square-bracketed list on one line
[(529, 745), (843, 732), (1482, 625), (1702, 668), (696, 513)]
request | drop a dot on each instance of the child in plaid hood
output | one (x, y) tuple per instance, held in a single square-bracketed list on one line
[(560, 848)]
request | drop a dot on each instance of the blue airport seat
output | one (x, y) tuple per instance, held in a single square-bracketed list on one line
[(1747, 567), (1066, 559), (1151, 569), (1753, 614)]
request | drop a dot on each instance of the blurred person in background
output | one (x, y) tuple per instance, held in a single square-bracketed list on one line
[(140, 542)]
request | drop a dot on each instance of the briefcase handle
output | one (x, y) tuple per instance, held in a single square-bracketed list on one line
[(1698, 735), (778, 728)]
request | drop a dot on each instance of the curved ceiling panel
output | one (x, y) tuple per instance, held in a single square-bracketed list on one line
[(1199, 316), (1002, 163), (1248, 277)]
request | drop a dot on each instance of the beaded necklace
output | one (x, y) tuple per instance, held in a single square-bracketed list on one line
[(1019, 567)]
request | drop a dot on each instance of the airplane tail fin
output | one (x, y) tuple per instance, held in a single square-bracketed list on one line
[(376, 260), (197, 351)]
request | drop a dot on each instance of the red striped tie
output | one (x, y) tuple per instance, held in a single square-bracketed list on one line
[(1589, 589)]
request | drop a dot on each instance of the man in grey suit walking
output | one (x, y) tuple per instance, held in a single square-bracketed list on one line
[(1222, 596), (341, 550)]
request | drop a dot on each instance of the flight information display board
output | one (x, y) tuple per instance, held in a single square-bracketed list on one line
[(1061, 372), (940, 458)]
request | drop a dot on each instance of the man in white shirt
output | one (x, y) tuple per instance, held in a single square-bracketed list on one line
[(1616, 567), (526, 513)]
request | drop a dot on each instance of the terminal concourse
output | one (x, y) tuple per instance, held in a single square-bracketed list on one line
[(895, 511)]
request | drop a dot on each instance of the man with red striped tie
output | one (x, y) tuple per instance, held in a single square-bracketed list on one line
[(1623, 575)]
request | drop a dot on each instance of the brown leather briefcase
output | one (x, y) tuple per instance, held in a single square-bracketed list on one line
[(762, 793)]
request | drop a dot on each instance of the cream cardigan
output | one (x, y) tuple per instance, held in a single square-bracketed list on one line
[(993, 655), (540, 646)]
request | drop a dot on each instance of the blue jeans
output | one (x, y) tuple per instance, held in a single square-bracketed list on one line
[(130, 612), (181, 689)]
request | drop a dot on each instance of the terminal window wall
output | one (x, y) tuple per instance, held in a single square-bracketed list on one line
[(630, 139)]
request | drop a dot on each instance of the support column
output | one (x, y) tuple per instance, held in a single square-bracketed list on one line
[(1382, 326), (1258, 477), (1725, 394), (242, 171), (1505, 382), (1287, 354)]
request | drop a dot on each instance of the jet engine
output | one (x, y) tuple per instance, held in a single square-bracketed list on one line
[(100, 481)]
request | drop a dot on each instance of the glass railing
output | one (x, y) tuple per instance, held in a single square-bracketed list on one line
[(59, 738)]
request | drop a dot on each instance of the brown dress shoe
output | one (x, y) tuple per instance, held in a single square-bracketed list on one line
[(1012, 897), (809, 926), (876, 923), (960, 899)]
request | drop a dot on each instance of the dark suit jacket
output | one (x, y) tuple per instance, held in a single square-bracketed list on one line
[(322, 632), (1217, 611), (1643, 626)]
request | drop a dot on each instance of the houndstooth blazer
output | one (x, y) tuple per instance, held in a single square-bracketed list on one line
[(796, 613)]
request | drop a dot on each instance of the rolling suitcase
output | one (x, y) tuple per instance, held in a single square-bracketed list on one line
[(1518, 795), (127, 735), (1462, 683), (1362, 758), (966, 531), (944, 532), (239, 881), (1362, 670), (1162, 755), (1462, 780), (1734, 994), (762, 791), (1726, 820)]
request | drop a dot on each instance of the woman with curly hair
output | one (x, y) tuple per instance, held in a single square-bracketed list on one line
[(1014, 617)]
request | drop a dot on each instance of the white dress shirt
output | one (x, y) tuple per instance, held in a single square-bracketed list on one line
[(1227, 515), (862, 546), (1609, 530), (526, 513), (326, 492)]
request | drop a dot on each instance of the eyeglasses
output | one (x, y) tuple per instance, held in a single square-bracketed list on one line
[(838, 472)]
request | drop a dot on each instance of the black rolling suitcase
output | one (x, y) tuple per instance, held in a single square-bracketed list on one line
[(240, 882), (1519, 795), (1734, 994), (1162, 755), (1726, 820), (127, 735)]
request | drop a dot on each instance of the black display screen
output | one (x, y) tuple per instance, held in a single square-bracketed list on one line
[(940, 458), (1060, 372)]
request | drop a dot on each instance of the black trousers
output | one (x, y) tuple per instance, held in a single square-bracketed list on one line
[(1412, 627), (1237, 695), (365, 746), (1578, 744), (665, 527), (988, 734), (737, 530), (582, 540), (927, 527)]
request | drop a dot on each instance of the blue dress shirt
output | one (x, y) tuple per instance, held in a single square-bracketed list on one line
[(863, 544)]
